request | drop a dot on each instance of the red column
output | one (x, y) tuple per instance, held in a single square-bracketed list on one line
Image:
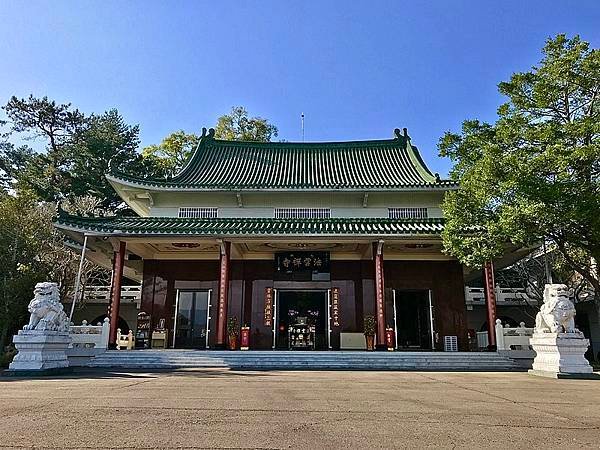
[(490, 298), (115, 301), (112, 284), (223, 294), (379, 293)]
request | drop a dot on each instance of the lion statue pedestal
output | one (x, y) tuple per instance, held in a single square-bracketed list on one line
[(558, 345), (43, 342)]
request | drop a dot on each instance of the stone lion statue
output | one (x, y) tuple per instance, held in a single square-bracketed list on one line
[(557, 314), (47, 312)]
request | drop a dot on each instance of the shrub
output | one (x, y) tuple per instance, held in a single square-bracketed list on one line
[(233, 328), (370, 326)]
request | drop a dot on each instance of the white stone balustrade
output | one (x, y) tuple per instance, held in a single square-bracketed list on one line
[(90, 336), (504, 296), (101, 294), (508, 338)]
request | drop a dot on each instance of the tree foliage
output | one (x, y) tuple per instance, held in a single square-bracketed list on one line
[(106, 141), (77, 150), (168, 158), (170, 155), (237, 126), (534, 174), (32, 250), (58, 125), (76, 153)]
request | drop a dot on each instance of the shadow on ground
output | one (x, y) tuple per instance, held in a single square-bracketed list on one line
[(85, 373)]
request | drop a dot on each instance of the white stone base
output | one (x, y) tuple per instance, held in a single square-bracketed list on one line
[(40, 350), (560, 354)]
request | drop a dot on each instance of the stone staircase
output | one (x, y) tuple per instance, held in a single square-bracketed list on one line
[(299, 360)]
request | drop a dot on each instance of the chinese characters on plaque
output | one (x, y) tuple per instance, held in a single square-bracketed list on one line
[(335, 306), (289, 262), (268, 307)]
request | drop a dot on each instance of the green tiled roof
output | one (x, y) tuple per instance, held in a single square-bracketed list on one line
[(146, 226), (237, 165)]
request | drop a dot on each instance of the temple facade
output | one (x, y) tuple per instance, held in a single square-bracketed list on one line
[(280, 236)]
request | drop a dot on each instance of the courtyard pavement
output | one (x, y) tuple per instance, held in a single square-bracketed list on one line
[(309, 410)]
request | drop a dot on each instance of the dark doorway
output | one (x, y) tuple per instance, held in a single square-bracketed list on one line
[(191, 319), (413, 327), (295, 308)]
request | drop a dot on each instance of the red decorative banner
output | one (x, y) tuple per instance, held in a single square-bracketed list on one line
[(379, 293), (245, 338), (268, 307), (223, 293), (335, 306)]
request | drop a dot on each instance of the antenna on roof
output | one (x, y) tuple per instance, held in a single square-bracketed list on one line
[(302, 116)]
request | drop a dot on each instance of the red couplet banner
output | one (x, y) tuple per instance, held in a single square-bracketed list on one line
[(268, 307)]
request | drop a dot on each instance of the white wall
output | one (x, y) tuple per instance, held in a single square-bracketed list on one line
[(342, 204)]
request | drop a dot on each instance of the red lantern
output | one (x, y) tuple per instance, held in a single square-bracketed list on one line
[(245, 338), (390, 339)]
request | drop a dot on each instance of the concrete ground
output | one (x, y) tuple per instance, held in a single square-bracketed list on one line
[(309, 410)]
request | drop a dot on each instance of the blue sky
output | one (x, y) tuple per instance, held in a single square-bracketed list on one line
[(357, 69)]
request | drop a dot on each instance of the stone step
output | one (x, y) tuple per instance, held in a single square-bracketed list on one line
[(306, 363), (282, 360), (323, 360), (275, 360), (425, 367), (278, 355)]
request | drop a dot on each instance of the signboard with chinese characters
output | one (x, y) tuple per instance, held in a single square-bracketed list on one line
[(289, 262), (335, 307), (268, 307)]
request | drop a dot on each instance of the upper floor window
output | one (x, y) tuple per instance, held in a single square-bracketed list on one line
[(407, 213), (302, 213), (198, 213)]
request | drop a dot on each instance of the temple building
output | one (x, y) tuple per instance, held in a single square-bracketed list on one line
[(277, 234)]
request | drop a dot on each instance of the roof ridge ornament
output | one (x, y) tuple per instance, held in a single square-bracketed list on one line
[(211, 133), (403, 135), (60, 212)]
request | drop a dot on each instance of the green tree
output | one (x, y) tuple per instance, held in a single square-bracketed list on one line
[(534, 174), (25, 232), (77, 153), (57, 124), (170, 155), (106, 140), (236, 126), (32, 250), (168, 158)]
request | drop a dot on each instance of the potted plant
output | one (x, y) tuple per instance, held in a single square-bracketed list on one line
[(370, 332), (233, 331)]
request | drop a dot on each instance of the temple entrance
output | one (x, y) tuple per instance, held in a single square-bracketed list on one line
[(413, 319), (191, 326), (301, 320)]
